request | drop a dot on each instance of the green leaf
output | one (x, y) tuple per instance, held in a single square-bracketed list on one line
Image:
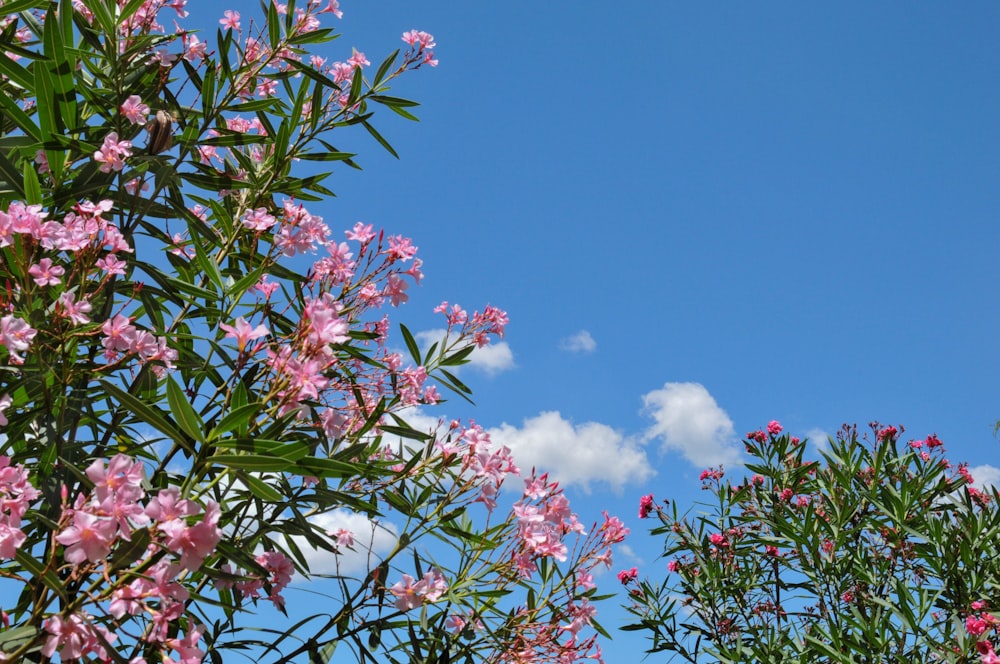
[(41, 572), (184, 412), (393, 101), (255, 462), (383, 68), (405, 432), (15, 72), (103, 17), (148, 414), (61, 69), (319, 36), (378, 137), (458, 358), (327, 468), (411, 344), (15, 6), (260, 488), (357, 87), (274, 448), (403, 113), (273, 25), (12, 639), (326, 156), (10, 108), (235, 419), (455, 382), (11, 176), (311, 72), (32, 188), (229, 139), (208, 265)]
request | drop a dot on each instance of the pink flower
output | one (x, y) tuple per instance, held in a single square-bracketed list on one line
[(345, 537), (187, 648), (774, 427), (194, 543), (134, 110), (113, 153), (119, 333), (361, 233), (75, 637), (243, 333), (887, 432), (231, 20), (625, 576), (45, 273), (332, 7), (410, 595), (75, 310), (11, 539), (358, 59), (194, 49), (111, 265), (614, 530), (395, 290), (16, 336), (406, 593), (258, 220), (419, 39), (975, 625), (89, 538), (645, 506)]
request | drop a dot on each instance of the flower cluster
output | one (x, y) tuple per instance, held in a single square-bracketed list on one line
[(16, 494), (874, 523)]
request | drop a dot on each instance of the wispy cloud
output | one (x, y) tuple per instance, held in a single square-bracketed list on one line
[(575, 454), (689, 421), (581, 342)]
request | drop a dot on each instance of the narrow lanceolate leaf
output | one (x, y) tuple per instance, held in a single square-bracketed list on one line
[(147, 413), (14, 71), (378, 137), (61, 69), (383, 68), (411, 344), (255, 462), (236, 419), (184, 412), (9, 107), (15, 6), (260, 488), (32, 188), (327, 468)]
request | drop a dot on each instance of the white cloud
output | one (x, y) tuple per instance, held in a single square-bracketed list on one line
[(689, 421), (985, 476), (371, 542), (491, 360), (589, 452), (581, 342), (818, 439)]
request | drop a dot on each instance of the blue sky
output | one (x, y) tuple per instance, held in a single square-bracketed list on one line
[(753, 211)]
